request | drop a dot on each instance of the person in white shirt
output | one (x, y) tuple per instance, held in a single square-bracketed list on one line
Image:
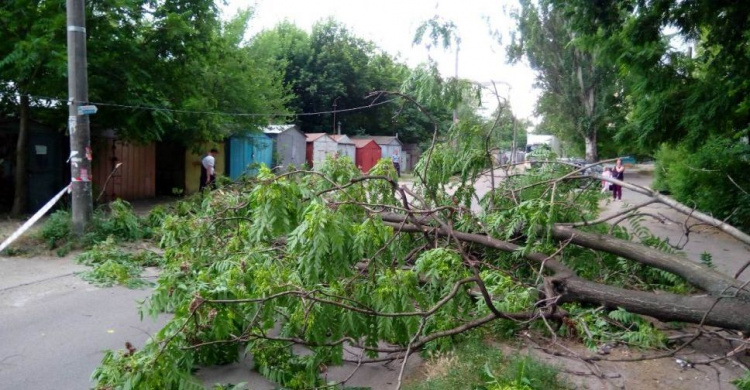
[(208, 169), (396, 162)]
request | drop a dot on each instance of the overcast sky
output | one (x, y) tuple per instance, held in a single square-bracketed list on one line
[(391, 24)]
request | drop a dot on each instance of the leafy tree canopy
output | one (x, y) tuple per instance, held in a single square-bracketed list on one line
[(173, 56), (330, 65), (580, 99)]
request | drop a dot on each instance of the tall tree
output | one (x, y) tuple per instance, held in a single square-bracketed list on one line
[(152, 66), (188, 62), (688, 85), (683, 71), (579, 91), (332, 65), (32, 63)]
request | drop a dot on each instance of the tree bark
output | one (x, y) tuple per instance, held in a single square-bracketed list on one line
[(726, 311), (21, 193), (729, 313), (709, 280), (592, 154)]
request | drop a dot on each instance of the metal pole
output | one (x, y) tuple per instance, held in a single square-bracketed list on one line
[(78, 125)]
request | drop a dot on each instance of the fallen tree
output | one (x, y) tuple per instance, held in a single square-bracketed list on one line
[(707, 309), (329, 259)]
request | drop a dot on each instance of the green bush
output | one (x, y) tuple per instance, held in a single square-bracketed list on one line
[(121, 223), (715, 178), (666, 158), (57, 228)]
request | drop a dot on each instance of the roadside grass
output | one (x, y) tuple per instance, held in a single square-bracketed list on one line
[(479, 366), (106, 245), (28, 244), (743, 383)]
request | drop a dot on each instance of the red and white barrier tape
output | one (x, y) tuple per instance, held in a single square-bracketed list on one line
[(39, 214)]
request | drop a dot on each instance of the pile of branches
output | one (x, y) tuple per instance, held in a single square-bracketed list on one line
[(366, 269)]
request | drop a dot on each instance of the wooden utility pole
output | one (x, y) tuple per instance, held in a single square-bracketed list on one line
[(78, 123)]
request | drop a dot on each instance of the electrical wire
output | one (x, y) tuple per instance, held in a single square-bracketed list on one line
[(152, 108)]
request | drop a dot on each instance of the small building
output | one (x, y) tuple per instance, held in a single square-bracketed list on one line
[(247, 153), (136, 176), (345, 147), (289, 143), (319, 146), (412, 154), (367, 154), (388, 144), (47, 172)]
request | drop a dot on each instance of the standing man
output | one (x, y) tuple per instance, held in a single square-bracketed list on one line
[(208, 169), (396, 162)]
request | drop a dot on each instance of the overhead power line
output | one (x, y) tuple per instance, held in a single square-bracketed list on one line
[(195, 112)]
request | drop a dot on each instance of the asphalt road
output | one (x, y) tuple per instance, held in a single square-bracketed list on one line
[(54, 326), (728, 254)]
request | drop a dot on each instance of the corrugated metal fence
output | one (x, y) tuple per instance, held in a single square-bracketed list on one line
[(136, 178)]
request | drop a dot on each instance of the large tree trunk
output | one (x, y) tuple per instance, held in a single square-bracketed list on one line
[(21, 195), (725, 310), (592, 155), (698, 275), (730, 313)]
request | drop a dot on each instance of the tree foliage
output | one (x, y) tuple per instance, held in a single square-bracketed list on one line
[(181, 59), (682, 72), (682, 66), (330, 258), (169, 54), (331, 65), (580, 91), (151, 66)]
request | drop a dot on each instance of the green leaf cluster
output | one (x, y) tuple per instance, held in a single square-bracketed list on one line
[(714, 178), (260, 265), (119, 222), (112, 265), (597, 327)]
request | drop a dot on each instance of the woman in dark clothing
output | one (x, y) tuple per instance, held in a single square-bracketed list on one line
[(619, 174)]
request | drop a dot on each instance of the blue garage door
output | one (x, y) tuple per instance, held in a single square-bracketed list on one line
[(247, 153)]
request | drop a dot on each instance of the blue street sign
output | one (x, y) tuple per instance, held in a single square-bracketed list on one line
[(87, 110)]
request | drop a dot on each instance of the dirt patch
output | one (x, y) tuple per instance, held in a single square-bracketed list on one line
[(29, 244), (144, 206), (673, 372)]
